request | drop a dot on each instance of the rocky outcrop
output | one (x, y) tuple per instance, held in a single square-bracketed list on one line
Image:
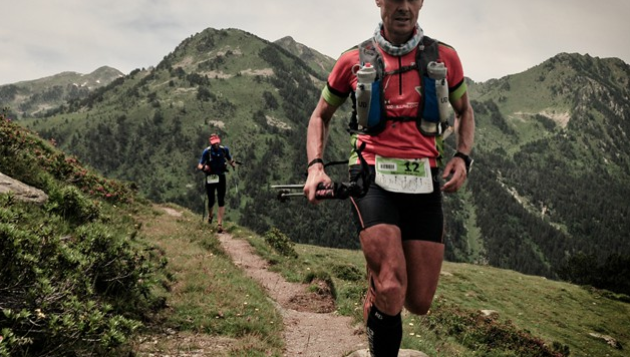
[(21, 191)]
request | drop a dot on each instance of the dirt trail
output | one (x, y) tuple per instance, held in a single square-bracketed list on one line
[(307, 332), (311, 327)]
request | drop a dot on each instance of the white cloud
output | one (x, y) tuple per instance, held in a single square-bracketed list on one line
[(494, 38)]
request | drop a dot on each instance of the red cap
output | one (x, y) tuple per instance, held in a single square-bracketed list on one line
[(215, 139)]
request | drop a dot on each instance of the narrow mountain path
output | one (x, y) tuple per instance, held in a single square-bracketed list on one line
[(311, 327), (307, 332)]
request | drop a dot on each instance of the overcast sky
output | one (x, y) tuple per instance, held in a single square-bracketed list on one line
[(494, 38)]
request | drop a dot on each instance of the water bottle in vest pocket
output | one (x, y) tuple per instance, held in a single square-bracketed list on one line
[(368, 97), (436, 104)]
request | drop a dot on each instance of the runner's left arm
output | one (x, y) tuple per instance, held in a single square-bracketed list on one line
[(465, 128), (229, 157)]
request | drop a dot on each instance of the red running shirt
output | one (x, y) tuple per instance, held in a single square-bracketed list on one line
[(402, 98)]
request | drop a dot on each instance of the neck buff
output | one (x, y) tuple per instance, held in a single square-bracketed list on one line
[(398, 50)]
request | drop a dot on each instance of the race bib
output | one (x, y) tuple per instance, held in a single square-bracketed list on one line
[(212, 179), (404, 175)]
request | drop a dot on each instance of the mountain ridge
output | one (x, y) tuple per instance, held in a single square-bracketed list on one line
[(34, 97)]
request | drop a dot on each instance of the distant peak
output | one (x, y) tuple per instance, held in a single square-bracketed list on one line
[(107, 69), (287, 39)]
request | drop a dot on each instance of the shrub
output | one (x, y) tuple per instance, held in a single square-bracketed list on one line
[(280, 243), (72, 205), (348, 272), (69, 291)]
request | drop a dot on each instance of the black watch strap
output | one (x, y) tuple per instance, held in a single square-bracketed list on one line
[(316, 160), (467, 160)]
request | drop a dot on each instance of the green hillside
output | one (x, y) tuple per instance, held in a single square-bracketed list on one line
[(75, 278), (556, 169)]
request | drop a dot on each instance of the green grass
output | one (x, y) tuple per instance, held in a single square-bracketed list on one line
[(208, 293), (528, 308), (551, 310)]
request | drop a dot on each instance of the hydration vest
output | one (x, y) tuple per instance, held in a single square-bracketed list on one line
[(217, 162), (428, 108)]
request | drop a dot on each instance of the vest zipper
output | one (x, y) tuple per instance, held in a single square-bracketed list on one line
[(400, 76)]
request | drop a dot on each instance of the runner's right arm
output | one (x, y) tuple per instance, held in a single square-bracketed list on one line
[(316, 138), (202, 162)]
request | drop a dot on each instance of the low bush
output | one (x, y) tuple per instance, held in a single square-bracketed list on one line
[(280, 243), (73, 206), (348, 272), (80, 292)]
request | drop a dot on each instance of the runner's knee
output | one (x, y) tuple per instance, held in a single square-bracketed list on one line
[(390, 297), (418, 305)]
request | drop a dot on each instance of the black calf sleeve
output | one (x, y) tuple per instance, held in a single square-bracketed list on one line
[(384, 333)]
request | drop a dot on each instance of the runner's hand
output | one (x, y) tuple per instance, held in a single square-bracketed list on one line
[(456, 169), (316, 175)]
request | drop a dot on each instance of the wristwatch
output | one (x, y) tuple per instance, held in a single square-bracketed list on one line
[(467, 160)]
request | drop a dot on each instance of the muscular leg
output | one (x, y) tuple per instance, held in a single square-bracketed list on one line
[(383, 251), (424, 261)]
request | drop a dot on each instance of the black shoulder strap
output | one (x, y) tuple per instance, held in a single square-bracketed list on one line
[(221, 151), (368, 53), (208, 155), (428, 51)]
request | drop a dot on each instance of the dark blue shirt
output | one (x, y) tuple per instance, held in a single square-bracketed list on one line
[(217, 158)]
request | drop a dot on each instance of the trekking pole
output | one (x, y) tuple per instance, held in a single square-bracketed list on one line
[(203, 212), (338, 190), (238, 176), (284, 191), (205, 197)]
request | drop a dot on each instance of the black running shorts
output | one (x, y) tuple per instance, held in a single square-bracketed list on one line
[(220, 188), (419, 216)]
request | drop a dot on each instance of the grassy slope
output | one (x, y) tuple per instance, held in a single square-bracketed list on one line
[(209, 296), (209, 293), (549, 310)]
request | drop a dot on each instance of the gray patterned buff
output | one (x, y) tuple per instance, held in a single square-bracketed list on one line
[(398, 50)]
